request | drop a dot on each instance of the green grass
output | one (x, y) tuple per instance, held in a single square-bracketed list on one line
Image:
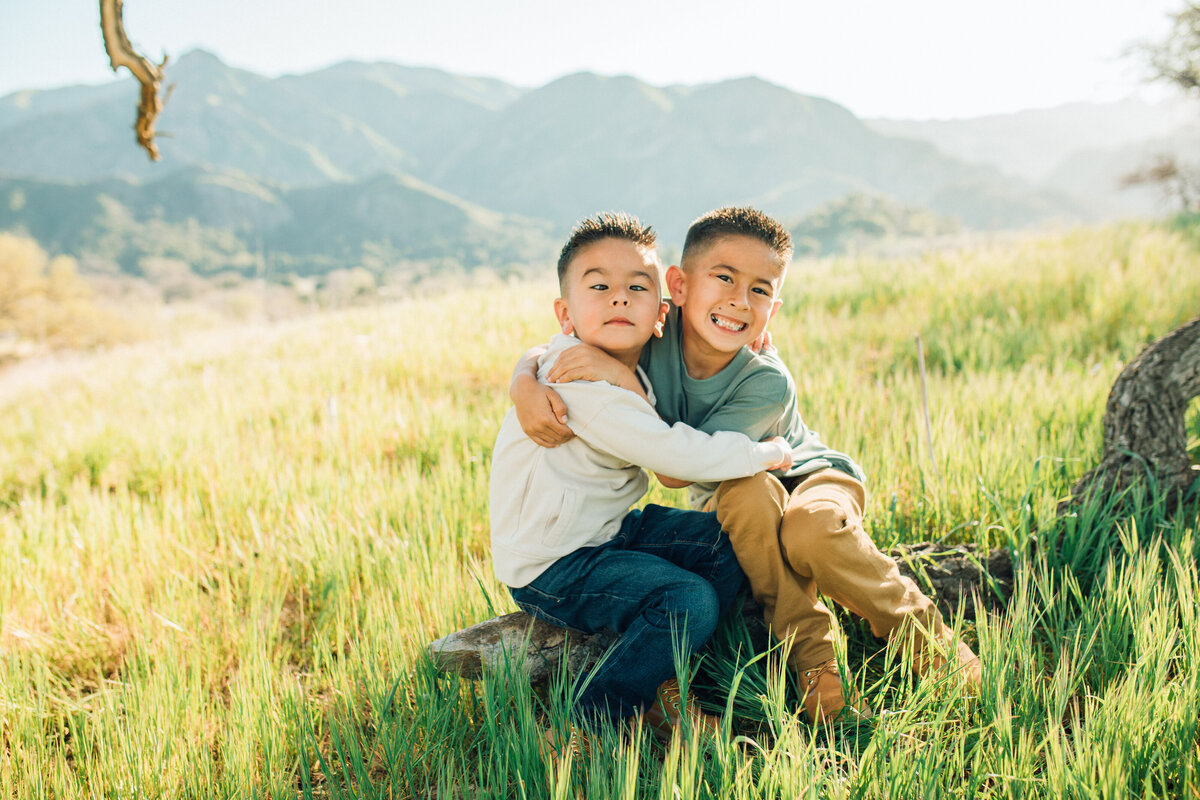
[(222, 557)]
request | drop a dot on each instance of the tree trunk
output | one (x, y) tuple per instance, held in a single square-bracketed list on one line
[(1145, 433)]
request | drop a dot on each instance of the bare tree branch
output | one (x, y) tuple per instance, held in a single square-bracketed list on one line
[(148, 74), (1175, 180)]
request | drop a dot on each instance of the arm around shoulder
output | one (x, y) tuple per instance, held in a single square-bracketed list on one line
[(527, 366), (620, 423), (540, 410)]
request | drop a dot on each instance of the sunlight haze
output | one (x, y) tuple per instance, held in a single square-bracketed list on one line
[(925, 59)]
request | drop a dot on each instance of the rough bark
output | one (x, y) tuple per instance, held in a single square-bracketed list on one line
[(531, 645), (148, 74), (1145, 434), (954, 577)]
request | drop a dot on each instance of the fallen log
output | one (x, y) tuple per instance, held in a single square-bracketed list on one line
[(955, 577)]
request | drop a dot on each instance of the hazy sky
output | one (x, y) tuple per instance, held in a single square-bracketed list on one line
[(913, 59)]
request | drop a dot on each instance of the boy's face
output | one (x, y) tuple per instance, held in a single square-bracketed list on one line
[(727, 293), (611, 297)]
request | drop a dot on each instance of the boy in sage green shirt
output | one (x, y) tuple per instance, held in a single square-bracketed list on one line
[(795, 533)]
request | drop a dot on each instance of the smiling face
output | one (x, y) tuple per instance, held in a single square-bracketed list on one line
[(611, 297), (727, 292)]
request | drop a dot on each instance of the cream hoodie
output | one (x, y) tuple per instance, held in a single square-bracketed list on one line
[(548, 502)]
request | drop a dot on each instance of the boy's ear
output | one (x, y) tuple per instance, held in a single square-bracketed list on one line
[(676, 284), (776, 304), (563, 314), (663, 308)]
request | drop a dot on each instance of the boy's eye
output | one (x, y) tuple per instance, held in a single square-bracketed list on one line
[(725, 278), (599, 286), (636, 288), (760, 290)]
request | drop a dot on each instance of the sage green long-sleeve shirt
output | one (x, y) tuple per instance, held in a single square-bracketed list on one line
[(755, 395), (548, 502)]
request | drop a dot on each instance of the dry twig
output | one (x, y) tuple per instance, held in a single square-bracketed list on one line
[(148, 74)]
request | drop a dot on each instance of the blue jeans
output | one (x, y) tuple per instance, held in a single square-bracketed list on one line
[(661, 584)]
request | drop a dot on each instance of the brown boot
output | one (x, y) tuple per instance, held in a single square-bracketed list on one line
[(577, 743), (942, 657), (669, 712), (823, 697)]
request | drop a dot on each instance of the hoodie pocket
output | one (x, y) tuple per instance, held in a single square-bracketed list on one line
[(561, 527)]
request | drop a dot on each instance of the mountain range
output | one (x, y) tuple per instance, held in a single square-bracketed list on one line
[(388, 166)]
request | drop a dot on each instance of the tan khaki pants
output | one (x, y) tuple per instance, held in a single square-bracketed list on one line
[(794, 546)]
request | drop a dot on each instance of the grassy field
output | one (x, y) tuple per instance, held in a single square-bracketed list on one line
[(221, 558)]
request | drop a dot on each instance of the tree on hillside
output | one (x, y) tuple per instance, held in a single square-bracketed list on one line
[(20, 279), (860, 220), (1177, 59), (1177, 180), (1174, 60), (44, 302)]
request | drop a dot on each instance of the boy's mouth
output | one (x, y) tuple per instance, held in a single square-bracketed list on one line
[(724, 323)]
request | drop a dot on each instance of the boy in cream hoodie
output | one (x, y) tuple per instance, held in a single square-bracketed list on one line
[(564, 537)]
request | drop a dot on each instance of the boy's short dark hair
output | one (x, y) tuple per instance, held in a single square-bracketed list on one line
[(738, 221), (605, 225)]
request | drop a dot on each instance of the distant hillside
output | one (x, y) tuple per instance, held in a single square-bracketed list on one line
[(1079, 150), (418, 111), (1098, 171), (223, 221), (672, 153), (554, 153), (1032, 144), (216, 117)]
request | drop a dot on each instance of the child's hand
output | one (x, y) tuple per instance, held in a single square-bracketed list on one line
[(787, 446), (542, 414), (672, 483), (583, 362), (762, 343)]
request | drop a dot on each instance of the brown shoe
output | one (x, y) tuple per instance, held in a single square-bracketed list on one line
[(577, 744), (669, 712), (935, 659), (823, 697)]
